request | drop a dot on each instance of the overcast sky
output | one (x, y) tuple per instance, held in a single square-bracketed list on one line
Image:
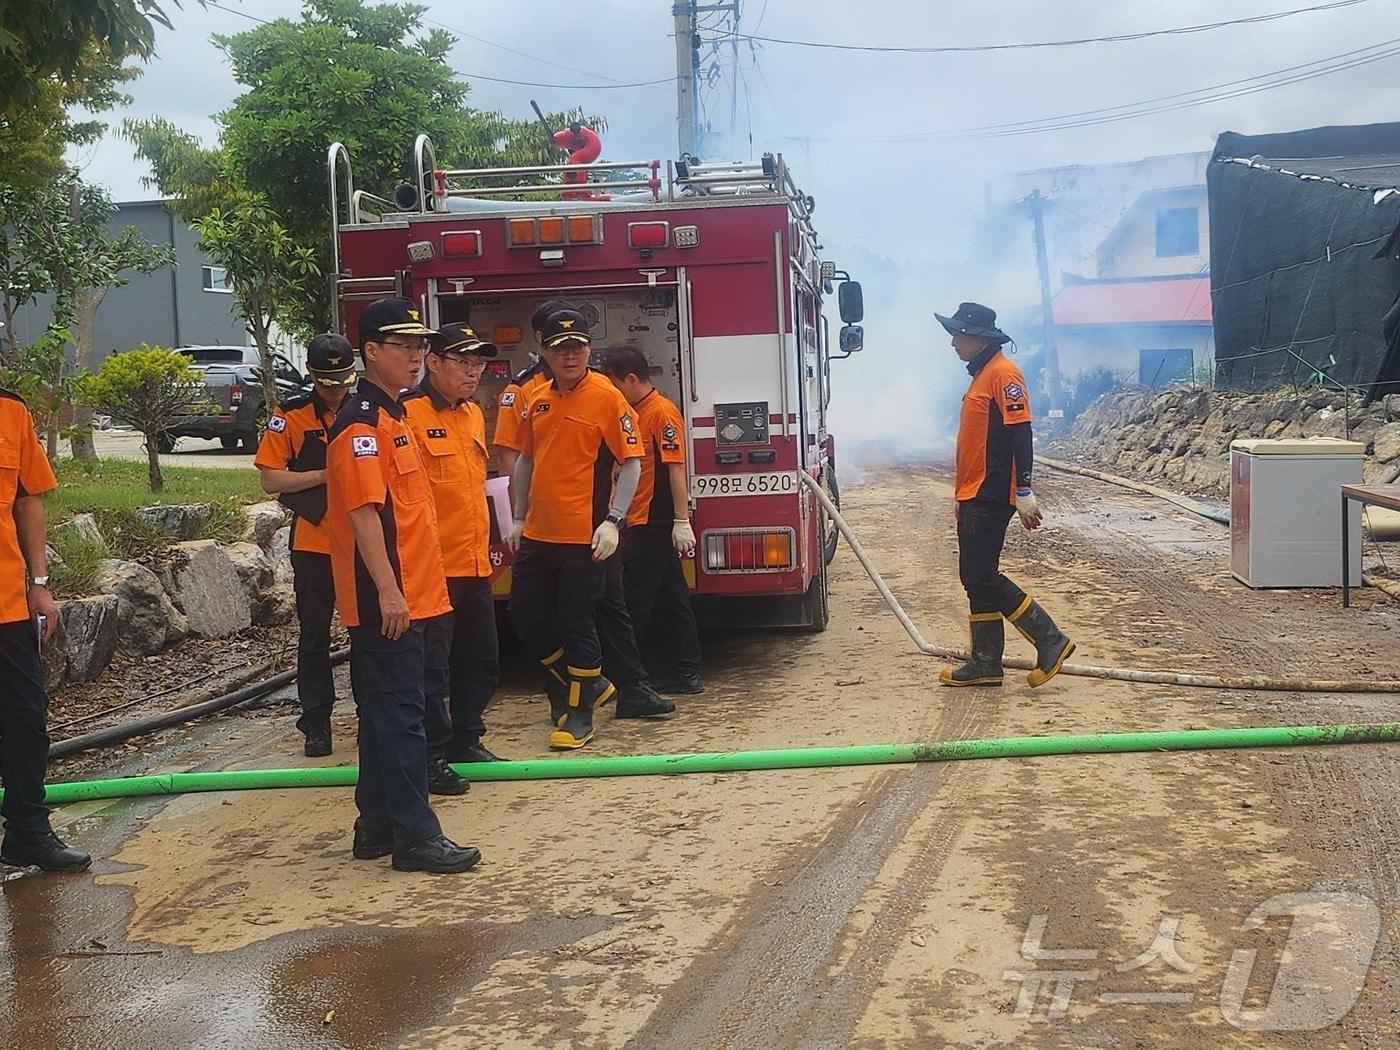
[(912, 200)]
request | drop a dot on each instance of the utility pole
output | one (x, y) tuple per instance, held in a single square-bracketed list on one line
[(683, 13), (1052, 357)]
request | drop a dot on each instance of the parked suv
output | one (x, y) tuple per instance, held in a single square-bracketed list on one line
[(233, 396)]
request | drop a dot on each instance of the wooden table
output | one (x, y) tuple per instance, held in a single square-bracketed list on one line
[(1387, 496)]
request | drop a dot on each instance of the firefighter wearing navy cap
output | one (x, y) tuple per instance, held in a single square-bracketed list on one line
[(389, 582), (291, 461), (462, 654), (568, 514), (515, 398), (994, 461)]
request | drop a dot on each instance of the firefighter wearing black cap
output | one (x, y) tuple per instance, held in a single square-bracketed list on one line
[(462, 653), (389, 582), (291, 461), (994, 461), (568, 513)]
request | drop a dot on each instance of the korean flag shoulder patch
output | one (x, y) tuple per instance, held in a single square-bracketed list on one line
[(277, 424), (364, 445), (508, 399)]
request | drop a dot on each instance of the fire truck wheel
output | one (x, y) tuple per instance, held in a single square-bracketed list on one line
[(815, 603), (831, 538)]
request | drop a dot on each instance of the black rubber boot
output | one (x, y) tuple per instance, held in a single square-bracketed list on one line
[(557, 688), (41, 849), (318, 736), (576, 729), (444, 780), (1052, 645), (988, 642), (372, 842), (640, 700)]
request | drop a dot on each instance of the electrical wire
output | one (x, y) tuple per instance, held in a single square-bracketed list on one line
[(519, 54), (1028, 45)]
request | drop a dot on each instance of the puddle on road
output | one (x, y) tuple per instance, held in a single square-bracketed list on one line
[(69, 979)]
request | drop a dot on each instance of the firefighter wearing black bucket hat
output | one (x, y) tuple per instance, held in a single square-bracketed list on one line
[(994, 462), (291, 462)]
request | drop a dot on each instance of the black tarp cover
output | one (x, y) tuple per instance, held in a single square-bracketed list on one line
[(1305, 275)]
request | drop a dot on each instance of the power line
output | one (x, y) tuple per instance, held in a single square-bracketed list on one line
[(761, 12), (1164, 103), (570, 87), (1025, 45), (513, 51)]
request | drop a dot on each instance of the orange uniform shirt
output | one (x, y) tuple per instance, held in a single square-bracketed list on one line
[(452, 439), (293, 423), (986, 462), (373, 461), (515, 400), (575, 438), (24, 471), (662, 430)]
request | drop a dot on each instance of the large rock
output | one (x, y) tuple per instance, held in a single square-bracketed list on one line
[(204, 585), (53, 657), (89, 635), (1387, 442), (146, 617), (268, 601), (262, 522), (83, 528), (181, 520)]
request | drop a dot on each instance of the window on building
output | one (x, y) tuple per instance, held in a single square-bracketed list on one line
[(1178, 232), (1159, 368), (216, 280)]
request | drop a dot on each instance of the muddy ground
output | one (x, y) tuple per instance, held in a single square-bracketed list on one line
[(1211, 899)]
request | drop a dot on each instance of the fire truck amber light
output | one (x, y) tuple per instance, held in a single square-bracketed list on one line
[(552, 231), (581, 229), (748, 550), (507, 335), (648, 234), (462, 242), (522, 233)]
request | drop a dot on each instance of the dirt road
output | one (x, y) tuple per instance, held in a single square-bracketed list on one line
[(1107, 901)]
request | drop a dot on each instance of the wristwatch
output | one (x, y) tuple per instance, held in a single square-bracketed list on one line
[(39, 581), (614, 517)]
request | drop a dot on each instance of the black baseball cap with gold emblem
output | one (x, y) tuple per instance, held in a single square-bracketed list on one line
[(564, 325), (391, 316), (459, 338), (331, 359)]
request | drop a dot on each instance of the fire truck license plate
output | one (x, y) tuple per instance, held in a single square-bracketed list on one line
[(768, 483)]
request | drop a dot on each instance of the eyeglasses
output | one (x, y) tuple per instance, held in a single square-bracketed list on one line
[(418, 347), (469, 364), (570, 349)]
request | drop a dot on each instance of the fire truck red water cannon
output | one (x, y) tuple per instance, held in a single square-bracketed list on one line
[(710, 270)]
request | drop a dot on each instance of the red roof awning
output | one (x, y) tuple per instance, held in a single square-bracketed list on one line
[(1184, 300)]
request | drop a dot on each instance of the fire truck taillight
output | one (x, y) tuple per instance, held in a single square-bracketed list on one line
[(648, 234), (521, 233), (462, 243), (748, 550)]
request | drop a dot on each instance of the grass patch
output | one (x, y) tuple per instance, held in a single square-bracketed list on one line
[(114, 489), (77, 575)]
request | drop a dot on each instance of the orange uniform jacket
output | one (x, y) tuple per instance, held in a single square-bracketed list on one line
[(452, 439), (515, 400), (661, 427), (293, 423), (373, 461), (24, 471), (994, 446), (574, 440)]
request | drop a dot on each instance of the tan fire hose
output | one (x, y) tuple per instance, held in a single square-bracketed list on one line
[(1121, 674)]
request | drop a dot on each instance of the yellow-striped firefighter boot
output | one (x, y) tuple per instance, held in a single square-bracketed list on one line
[(1052, 645), (556, 686), (577, 727), (988, 641)]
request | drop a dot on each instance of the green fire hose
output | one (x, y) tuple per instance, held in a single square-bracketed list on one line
[(743, 761)]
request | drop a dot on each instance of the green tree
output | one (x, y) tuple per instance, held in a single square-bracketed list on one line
[(366, 75), (146, 388)]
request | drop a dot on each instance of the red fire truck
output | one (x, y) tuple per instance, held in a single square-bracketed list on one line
[(711, 270)]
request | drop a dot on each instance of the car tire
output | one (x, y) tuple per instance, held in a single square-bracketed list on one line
[(229, 442)]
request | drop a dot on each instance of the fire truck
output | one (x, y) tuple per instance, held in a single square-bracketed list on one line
[(711, 270)]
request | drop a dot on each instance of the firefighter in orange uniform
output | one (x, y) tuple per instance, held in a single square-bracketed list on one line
[(389, 581), (516, 396), (568, 513), (28, 618), (291, 461), (994, 461), (462, 654), (658, 523)]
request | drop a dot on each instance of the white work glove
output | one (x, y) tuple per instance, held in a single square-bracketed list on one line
[(604, 541), (516, 531), (683, 537), (1028, 508)]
